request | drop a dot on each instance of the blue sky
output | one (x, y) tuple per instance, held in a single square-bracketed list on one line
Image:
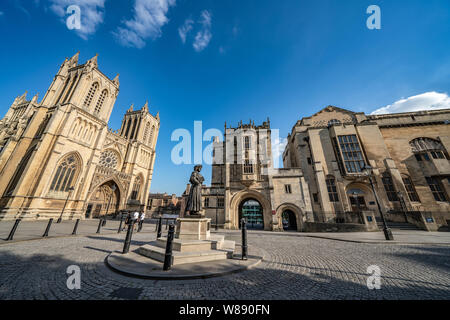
[(240, 59)]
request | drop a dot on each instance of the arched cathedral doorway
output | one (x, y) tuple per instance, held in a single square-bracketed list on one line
[(104, 200)]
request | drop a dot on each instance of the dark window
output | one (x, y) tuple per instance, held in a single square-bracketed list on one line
[(412, 194), (436, 189), (351, 152), (437, 154), (287, 188), (426, 156), (220, 202), (309, 160), (389, 187), (247, 142), (248, 167), (63, 178), (206, 202), (332, 191), (315, 197), (418, 157)]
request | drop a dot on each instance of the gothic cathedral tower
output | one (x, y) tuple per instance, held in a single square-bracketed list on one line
[(62, 149)]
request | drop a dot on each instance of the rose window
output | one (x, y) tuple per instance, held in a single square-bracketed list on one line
[(108, 159)]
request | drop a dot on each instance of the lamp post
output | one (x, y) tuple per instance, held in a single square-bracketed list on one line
[(65, 203), (368, 171), (217, 208)]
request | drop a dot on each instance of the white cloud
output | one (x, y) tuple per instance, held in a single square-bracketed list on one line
[(149, 17), (92, 13), (425, 101), (203, 37), (185, 29)]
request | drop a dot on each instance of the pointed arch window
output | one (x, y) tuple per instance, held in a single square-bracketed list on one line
[(100, 101), (90, 95), (389, 186), (136, 188), (152, 132), (146, 131), (65, 174), (19, 172)]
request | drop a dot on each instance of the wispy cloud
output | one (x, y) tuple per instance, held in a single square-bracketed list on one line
[(92, 14), (203, 37), (149, 17), (185, 29), (426, 101)]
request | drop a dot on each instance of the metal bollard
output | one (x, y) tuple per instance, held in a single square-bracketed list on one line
[(169, 245), (244, 239), (13, 230), (104, 222), (48, 228), (100, 222), (159, 228), (120, 225), (76, 227), (141, 224), (126, 245)]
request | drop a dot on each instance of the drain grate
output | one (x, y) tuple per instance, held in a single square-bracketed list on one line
[(127, 293)]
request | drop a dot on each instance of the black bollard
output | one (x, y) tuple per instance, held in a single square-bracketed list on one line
[(168, 255), (120, 226), (141, 223), (159, 228), (76, 227), (100, 222), (104, 222), (48, 228), (13, 230), (244, 239), (126, 245)]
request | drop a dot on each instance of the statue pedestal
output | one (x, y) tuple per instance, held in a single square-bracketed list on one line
[(194, 228)]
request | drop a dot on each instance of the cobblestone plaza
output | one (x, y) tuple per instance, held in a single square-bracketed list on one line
[(295, 266)]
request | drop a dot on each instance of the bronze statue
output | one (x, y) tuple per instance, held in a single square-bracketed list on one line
[(194, 202)]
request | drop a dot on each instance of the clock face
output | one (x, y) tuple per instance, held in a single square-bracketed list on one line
[(109, 159)]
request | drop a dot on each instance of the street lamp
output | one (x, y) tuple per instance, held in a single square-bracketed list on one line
[(217, 208), (368, 171), (68, 195)]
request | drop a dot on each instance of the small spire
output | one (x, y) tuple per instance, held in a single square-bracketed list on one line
[(157, 115), (74, 59), (116, 80), (93, 61), (35, 98), (131, 108), (145, 105)]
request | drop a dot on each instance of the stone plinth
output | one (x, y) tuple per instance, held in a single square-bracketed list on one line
[(193, 228)]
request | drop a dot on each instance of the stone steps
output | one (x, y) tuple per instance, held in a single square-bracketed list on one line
[(155, 251)]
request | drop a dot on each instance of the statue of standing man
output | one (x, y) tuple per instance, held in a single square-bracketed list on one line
[(194, 202)]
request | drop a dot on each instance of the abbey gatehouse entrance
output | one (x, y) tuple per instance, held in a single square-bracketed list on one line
[(252, 211)]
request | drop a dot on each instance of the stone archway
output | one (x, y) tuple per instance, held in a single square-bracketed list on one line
[(240, 198), (295, 210), (104, 200)]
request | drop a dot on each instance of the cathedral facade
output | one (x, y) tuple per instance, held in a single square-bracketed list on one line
[(59, 154)]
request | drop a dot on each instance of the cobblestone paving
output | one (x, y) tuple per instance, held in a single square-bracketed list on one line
[(294, 268)]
